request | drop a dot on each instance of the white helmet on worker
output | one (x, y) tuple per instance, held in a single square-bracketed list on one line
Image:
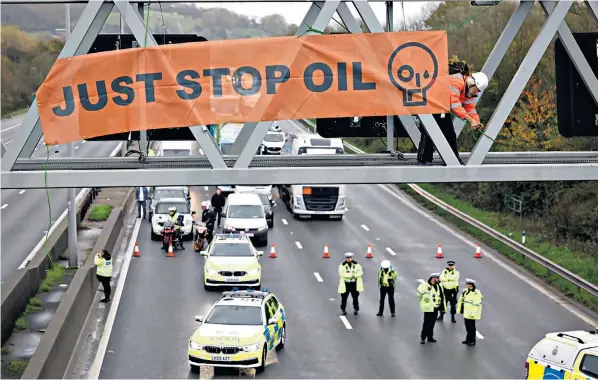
[(205, 204), (481, 80), (385, 264)]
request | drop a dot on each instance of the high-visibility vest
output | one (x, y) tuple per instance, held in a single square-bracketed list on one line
[(350, 273), (427, 297), (461, 105), (104, 266), (387, 278), (449, 279), (470, 304)]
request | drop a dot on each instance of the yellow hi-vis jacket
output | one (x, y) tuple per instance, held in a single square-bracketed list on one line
[(104, 266), (449, 279), (470, 304), (387, 278), (350, 273), (428, 297), (150, 152)]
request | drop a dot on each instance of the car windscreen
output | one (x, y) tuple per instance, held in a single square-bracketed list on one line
[(175, 152), (159, 194), (264, 199), (181, 208), (225, 148), (274, 137), (245, 212), (235, 315), (231, 250)]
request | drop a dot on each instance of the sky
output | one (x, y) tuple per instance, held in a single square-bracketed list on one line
[(294, 12)]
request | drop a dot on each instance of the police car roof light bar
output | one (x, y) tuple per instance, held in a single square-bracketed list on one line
[(231, 235), (247, 294)]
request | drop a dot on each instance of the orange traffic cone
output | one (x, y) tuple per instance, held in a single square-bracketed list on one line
[(170, 251), (326, 255), (478, 252), (136, 252), (439, 254), (272, 252), (369, 254)]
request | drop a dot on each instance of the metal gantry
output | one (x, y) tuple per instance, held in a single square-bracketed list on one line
[(243, 167)]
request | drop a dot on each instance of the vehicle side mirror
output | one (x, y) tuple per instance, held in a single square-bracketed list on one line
[(193, 212), (260, 253), (198, 318), (203, 253), (188, 197), (272, 321)]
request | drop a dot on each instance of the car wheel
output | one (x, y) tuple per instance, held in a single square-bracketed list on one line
[(154, 236), (262, 366), (283, 337), (195, 368)]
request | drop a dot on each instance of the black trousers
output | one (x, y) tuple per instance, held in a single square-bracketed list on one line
[(140, 206), (471, 330), (384, 290), (451, 298), (218, 212), (105, 281), (425, 150), (350, 287), (428, 327)]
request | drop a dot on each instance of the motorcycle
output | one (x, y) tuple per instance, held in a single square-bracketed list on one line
[(200, 236), (170, 235)]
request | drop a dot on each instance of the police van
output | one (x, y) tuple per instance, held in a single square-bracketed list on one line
[(304, 201), (565, 355)]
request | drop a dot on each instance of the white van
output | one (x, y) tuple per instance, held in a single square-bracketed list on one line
[(304, 201), (175, 148), (244, 213)]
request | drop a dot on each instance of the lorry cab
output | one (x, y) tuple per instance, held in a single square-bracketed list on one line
[(175, 148), (565, 355), (305, 201)]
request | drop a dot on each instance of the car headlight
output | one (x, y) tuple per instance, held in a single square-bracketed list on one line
[(252, 348), (262, 228), (254, 271), (195, 346), (211, 271), (341, 203), (299, 202)]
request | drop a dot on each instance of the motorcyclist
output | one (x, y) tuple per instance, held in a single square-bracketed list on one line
[(173, 216), (209, 218)]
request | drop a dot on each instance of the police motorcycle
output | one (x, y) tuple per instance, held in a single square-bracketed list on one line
[(200, 236), (170, 234)]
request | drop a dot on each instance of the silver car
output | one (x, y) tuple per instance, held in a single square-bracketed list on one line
[(166, 192)]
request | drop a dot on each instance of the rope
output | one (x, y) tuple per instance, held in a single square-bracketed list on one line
[(470, 18), (147, 17), (311, 30)]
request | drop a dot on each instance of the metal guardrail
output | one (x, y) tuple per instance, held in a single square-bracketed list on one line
[(535, 257)]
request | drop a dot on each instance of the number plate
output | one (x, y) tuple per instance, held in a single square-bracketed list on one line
[(250, 234), (320, 212), (221, 358), (232, 279)]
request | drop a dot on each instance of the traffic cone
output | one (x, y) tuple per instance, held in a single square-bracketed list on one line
[(272, 252), (439, 254), (478, 252), (326, 255), (369, 254), (170, 251), (136, 250)]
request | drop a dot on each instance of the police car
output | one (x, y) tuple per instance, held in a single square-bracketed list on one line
[(241, 328), (231, 259), (564, 355)]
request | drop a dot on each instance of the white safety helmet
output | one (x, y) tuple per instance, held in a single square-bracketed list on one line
[(172, 209), (205, 204), (385, 264), (481, 80)]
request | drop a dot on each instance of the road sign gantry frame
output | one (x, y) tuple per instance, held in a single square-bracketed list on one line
[(318, 17)]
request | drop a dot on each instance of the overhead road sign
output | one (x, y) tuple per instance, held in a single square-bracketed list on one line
[(248, 80)]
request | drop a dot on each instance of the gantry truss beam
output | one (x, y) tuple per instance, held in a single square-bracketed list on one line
[(245, 168)]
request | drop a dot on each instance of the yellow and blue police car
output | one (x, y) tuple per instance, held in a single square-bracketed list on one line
[(232, 260), (565, 355), (241, 328)]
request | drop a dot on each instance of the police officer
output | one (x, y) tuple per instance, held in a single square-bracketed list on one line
[(386, 281), (351, 281), (440, 300), (173, 215), (449, 279), (470, 305), (427, 296), (209, 218), (103, 261)]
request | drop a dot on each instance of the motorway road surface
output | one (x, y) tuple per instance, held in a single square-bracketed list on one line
[(161, 296), (24, 213)]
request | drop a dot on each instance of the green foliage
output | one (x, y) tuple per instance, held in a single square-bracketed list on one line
[(21, 324), (4, 351), (54, 276), (100, 213), (17, 367), (33, 305)]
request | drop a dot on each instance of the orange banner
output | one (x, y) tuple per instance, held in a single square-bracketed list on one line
[(258, 79)]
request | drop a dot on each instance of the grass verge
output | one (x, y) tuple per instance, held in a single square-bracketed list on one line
[(14, 113), (17, 367), (563, 285), (100, 213)]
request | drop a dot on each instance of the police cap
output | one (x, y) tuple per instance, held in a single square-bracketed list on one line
[(450, 263), (469, 281)]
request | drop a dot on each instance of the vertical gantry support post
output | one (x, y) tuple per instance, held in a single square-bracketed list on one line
[(500, 50), (518, 83), (371, 22), (143, 134), (83, 35), (390, 120)]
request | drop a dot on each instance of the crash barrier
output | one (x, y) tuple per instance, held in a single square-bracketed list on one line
[(62, 337), (259, 79), (550, 266), (24, 283)]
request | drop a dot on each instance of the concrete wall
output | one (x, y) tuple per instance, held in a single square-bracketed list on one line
[(59, 342)]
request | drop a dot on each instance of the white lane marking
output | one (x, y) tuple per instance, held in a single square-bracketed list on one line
[(99, 359), (346, 322), (77, 147), (284, 221), (318, 277), (480, 336), (35, 149), (206, 188), (21, 192), (365, 227), (4, 206), (8, 142), (298, 245), (390, 251), (11, 127), (553, 296)]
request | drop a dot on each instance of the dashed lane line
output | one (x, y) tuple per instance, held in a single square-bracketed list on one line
[(284, 221), (390, 251), (346, 322), (4, 206), (365, 227), (480, 336), (206, 188), (318, 277), (21, 192), (77, 147), (298, 245)]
